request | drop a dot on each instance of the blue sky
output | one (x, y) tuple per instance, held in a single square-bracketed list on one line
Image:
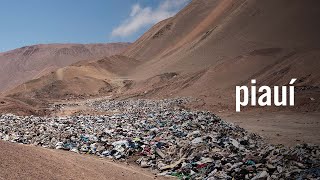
[(28, 22)]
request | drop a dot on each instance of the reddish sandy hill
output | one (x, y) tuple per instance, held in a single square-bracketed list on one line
[(80, 80), (30, 62), (212, 46), (205, 51)]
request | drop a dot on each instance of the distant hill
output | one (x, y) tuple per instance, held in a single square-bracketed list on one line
[(30, 62), (204, 51)]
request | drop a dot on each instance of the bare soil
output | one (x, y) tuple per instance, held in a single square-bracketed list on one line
[(29, 162)]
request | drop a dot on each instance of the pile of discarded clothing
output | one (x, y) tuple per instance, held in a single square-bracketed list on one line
[(165, 137)]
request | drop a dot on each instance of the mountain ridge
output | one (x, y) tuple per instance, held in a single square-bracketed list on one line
[(215, 45), (29, 62)]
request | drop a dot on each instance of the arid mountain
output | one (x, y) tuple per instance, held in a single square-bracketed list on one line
[(80, 80), (205, 51), (30, 62), (212, 46)]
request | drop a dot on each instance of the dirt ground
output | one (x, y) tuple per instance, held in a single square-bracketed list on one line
[(288, 128), (29, 162)]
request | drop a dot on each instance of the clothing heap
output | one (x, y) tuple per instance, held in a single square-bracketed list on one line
[(164, 136)]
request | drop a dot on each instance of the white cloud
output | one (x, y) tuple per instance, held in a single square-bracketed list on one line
[(135, 10), (141, 17)]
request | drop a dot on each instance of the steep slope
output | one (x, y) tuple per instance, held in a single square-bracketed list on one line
[(26, 63), (226, 29), (227, 44)]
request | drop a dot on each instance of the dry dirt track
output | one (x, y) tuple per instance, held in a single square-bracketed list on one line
[(28, 162)]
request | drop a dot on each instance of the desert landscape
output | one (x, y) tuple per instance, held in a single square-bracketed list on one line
[(164, 106)]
